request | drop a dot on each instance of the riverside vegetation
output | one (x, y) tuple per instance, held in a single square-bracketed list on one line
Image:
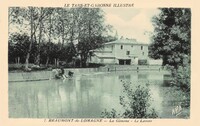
[(46, 36)]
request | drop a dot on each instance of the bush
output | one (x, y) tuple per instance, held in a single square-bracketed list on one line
[(181, 78), (181, 81), (135, 103)]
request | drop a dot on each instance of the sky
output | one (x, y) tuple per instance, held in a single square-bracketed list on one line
[(131, 22), (128, 22)]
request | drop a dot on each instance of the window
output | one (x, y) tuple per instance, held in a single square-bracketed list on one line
[(143, 53), (121, 46), (127, 52), (132, 46), (141, 47)]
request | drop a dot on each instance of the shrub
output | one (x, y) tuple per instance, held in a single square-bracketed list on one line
[(181, 74), (181, 78), (181, 81), (135, 104)]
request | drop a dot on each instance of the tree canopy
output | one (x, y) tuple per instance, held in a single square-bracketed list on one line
[(53, 34), (171, 40)]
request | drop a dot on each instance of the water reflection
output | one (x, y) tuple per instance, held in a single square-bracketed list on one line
[(82, 96), (166, 80), (125, 77), (143, 76)]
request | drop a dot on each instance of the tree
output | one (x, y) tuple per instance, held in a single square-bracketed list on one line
[(25, 18), (90, 36), (56, 33), (33, 16), (172, 43), (43, 15), (172, 36), (18, 48)]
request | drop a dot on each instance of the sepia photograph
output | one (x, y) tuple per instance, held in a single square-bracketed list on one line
[(106, 62)]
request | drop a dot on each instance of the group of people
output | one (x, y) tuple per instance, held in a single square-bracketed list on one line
[(60, 74)]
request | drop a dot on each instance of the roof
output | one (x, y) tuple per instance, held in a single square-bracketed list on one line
[(126, 41), (110, 56), (107, 56), (123, 58)]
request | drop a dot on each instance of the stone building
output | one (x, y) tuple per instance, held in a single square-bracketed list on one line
[(122, 51)]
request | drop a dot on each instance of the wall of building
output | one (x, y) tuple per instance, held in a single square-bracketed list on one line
[(140, 51), (109, 61), (155, 62), (125, 51), (95, 59)]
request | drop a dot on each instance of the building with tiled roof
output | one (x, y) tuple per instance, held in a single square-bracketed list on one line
[(122, 51)]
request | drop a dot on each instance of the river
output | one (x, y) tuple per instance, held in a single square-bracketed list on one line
[(86, 96)]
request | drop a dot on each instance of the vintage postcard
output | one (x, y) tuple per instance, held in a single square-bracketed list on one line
[(99, 63)]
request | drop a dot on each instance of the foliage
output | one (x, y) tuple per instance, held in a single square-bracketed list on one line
[(181, 76), (18, 47), (136, 104), (87, 44), (92, 24), (172, 43), (56, 34), (172, 36)]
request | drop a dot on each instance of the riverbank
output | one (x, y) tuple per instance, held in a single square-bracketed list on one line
[(47, 74), (43, 67)]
